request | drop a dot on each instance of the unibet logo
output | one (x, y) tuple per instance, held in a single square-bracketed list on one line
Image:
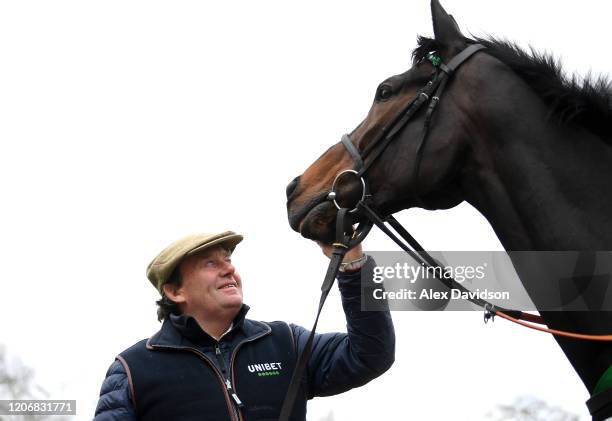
[(265, 369)]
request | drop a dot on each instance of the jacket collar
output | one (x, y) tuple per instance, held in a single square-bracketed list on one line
[(181, 331)]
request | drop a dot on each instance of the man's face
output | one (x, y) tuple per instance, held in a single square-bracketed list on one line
[(210, 285)]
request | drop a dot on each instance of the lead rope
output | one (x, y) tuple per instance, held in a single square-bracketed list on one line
[(341, 246)]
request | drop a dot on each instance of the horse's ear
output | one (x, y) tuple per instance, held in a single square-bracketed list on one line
[(445, 27)]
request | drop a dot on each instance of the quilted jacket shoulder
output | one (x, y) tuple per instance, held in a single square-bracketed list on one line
[(115, 403)]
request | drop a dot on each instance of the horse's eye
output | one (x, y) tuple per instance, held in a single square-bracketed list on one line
[(384, 92)]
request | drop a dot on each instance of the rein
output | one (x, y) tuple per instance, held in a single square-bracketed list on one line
[(343, 243)]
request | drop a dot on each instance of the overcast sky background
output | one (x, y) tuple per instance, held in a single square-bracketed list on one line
[(127, 124)]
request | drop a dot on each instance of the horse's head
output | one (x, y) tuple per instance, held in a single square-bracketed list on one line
[(404, 174)]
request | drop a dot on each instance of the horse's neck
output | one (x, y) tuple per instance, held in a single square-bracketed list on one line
[(544, 187)]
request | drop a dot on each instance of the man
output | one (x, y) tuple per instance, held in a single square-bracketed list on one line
[(209, 362)]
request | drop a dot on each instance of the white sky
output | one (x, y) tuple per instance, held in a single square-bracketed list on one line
[(126, 124)]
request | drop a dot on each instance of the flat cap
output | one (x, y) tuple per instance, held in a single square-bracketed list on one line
[(162, 266)]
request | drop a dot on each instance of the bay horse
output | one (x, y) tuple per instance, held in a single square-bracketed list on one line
[(514, 137)]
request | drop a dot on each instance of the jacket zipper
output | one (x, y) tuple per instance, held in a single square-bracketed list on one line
[(233, 358), (228, 384), (231, 409), (228, 389)]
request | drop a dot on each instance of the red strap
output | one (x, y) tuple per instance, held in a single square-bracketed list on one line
[(553, 331)]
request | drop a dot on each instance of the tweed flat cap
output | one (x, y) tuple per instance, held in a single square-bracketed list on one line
[(161, 267)]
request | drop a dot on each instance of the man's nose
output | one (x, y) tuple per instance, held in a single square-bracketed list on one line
[(227, 269), (292, 186)]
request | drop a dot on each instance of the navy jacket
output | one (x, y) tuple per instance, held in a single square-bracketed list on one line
[(338, 362)]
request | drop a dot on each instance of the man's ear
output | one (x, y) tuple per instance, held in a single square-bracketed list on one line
[(174, 292), (446, 30)]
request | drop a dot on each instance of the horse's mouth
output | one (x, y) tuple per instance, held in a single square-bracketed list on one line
[(314, 220), (318, 222), (297, 214)]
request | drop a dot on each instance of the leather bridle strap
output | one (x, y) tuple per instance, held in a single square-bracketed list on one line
[(352, 150), (378, 146), (340, 247), (420, 255), (435, 99), (458, 60), (430, 92)]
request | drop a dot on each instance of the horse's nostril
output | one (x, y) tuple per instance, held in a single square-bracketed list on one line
[(292, 186)]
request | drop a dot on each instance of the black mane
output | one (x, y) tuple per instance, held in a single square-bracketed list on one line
[(586, 102)]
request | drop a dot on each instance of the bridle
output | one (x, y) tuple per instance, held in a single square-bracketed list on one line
[(347, 238), (428, 96)]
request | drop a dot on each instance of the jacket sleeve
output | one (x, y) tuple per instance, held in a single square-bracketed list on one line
[(342, 361), (115, 402)]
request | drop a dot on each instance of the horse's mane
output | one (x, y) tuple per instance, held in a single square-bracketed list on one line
[(572, 100)]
